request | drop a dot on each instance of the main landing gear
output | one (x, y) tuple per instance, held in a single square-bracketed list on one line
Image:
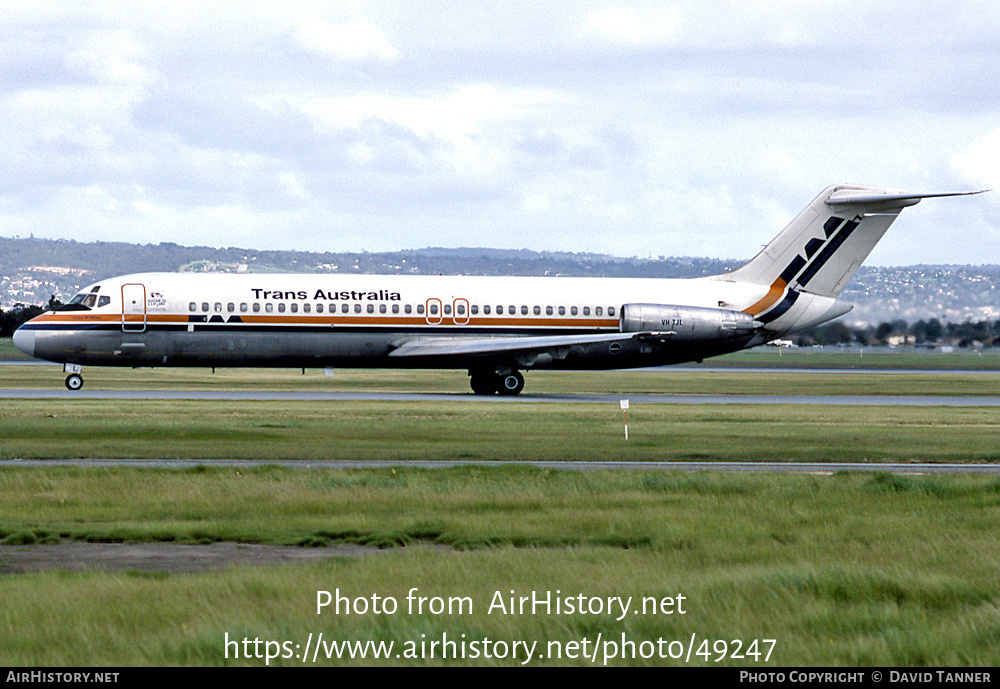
[(487, 382)]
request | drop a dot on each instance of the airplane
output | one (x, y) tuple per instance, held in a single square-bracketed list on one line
[(494, 327)]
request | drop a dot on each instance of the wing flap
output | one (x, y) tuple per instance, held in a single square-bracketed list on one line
[(471, 346)]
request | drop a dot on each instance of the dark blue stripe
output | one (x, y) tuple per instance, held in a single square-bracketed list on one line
[(792, 269), (812, 246), (827, 252), (781, 308), (831, 225)]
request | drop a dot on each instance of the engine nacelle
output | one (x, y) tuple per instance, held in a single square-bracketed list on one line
[(687, 323)]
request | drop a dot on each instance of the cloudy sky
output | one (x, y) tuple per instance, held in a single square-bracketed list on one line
[(688, 128)]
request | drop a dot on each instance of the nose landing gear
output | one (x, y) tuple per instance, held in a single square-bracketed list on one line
[(74, 381)]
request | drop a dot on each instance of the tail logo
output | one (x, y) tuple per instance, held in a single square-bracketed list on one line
[(797, 274)]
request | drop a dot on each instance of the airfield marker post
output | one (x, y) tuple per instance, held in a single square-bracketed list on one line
[(624, 405)]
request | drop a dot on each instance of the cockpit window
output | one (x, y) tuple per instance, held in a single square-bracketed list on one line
[(81, 302)]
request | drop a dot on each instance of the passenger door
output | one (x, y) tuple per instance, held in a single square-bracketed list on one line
[(134, 307)]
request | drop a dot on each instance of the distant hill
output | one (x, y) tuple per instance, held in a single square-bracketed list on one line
[(32, 270)]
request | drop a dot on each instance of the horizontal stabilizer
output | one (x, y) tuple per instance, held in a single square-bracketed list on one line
[(848, 196)]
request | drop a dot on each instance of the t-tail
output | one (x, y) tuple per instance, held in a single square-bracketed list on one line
[(806, 266)]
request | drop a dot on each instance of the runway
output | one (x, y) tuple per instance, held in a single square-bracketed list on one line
[(736, 467), (273, 396)]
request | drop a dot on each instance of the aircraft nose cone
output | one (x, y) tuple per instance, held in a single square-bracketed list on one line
[(25, 341)]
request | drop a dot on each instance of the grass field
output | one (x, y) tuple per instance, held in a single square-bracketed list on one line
[(674, 381), (387, 431), (841, 569), (838, 570)]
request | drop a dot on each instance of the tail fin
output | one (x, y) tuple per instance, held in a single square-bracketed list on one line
[(822, 248)]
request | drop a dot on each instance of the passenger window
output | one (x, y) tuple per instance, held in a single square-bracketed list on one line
[(243, 307), (204, 306), (486, 310), (281, 308), (218, 307), (395, 308), (408, 309), (357, 308), (420, 309), (598, 311), (295, 308), (269, 307), (192, 307), (319, 308), (306, 308), (537, 310), (562, 310), (586, 310), (256, 307), (548, 310), (572, 311), (371, 308), (524, 310), (611, 310), (230, 307), (381, 308), (434, 309), (474, 309)]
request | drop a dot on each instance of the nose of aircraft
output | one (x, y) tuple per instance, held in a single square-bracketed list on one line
[(25, 341)]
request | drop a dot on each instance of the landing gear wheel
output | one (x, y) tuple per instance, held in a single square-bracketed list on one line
[(484, 383), (74, 381), (512, 383)]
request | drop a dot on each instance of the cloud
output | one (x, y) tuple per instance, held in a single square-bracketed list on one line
[(623, 25), (352, 41), (630, 127), (981, 162)]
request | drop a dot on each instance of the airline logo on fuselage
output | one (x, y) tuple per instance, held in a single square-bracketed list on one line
[(321, 295)]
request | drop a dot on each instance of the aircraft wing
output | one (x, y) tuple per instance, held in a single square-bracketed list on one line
[(498, 345)]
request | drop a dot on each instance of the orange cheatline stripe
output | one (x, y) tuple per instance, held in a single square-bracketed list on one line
[(772, 296)]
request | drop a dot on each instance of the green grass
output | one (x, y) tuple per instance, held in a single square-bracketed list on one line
[(9, 352), (839, 570), (675, 381), (307, 430)]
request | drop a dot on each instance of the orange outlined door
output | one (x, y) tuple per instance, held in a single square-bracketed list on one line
[(133, 307)]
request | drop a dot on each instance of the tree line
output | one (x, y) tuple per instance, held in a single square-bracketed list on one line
[(12, 318), (931, 332)]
